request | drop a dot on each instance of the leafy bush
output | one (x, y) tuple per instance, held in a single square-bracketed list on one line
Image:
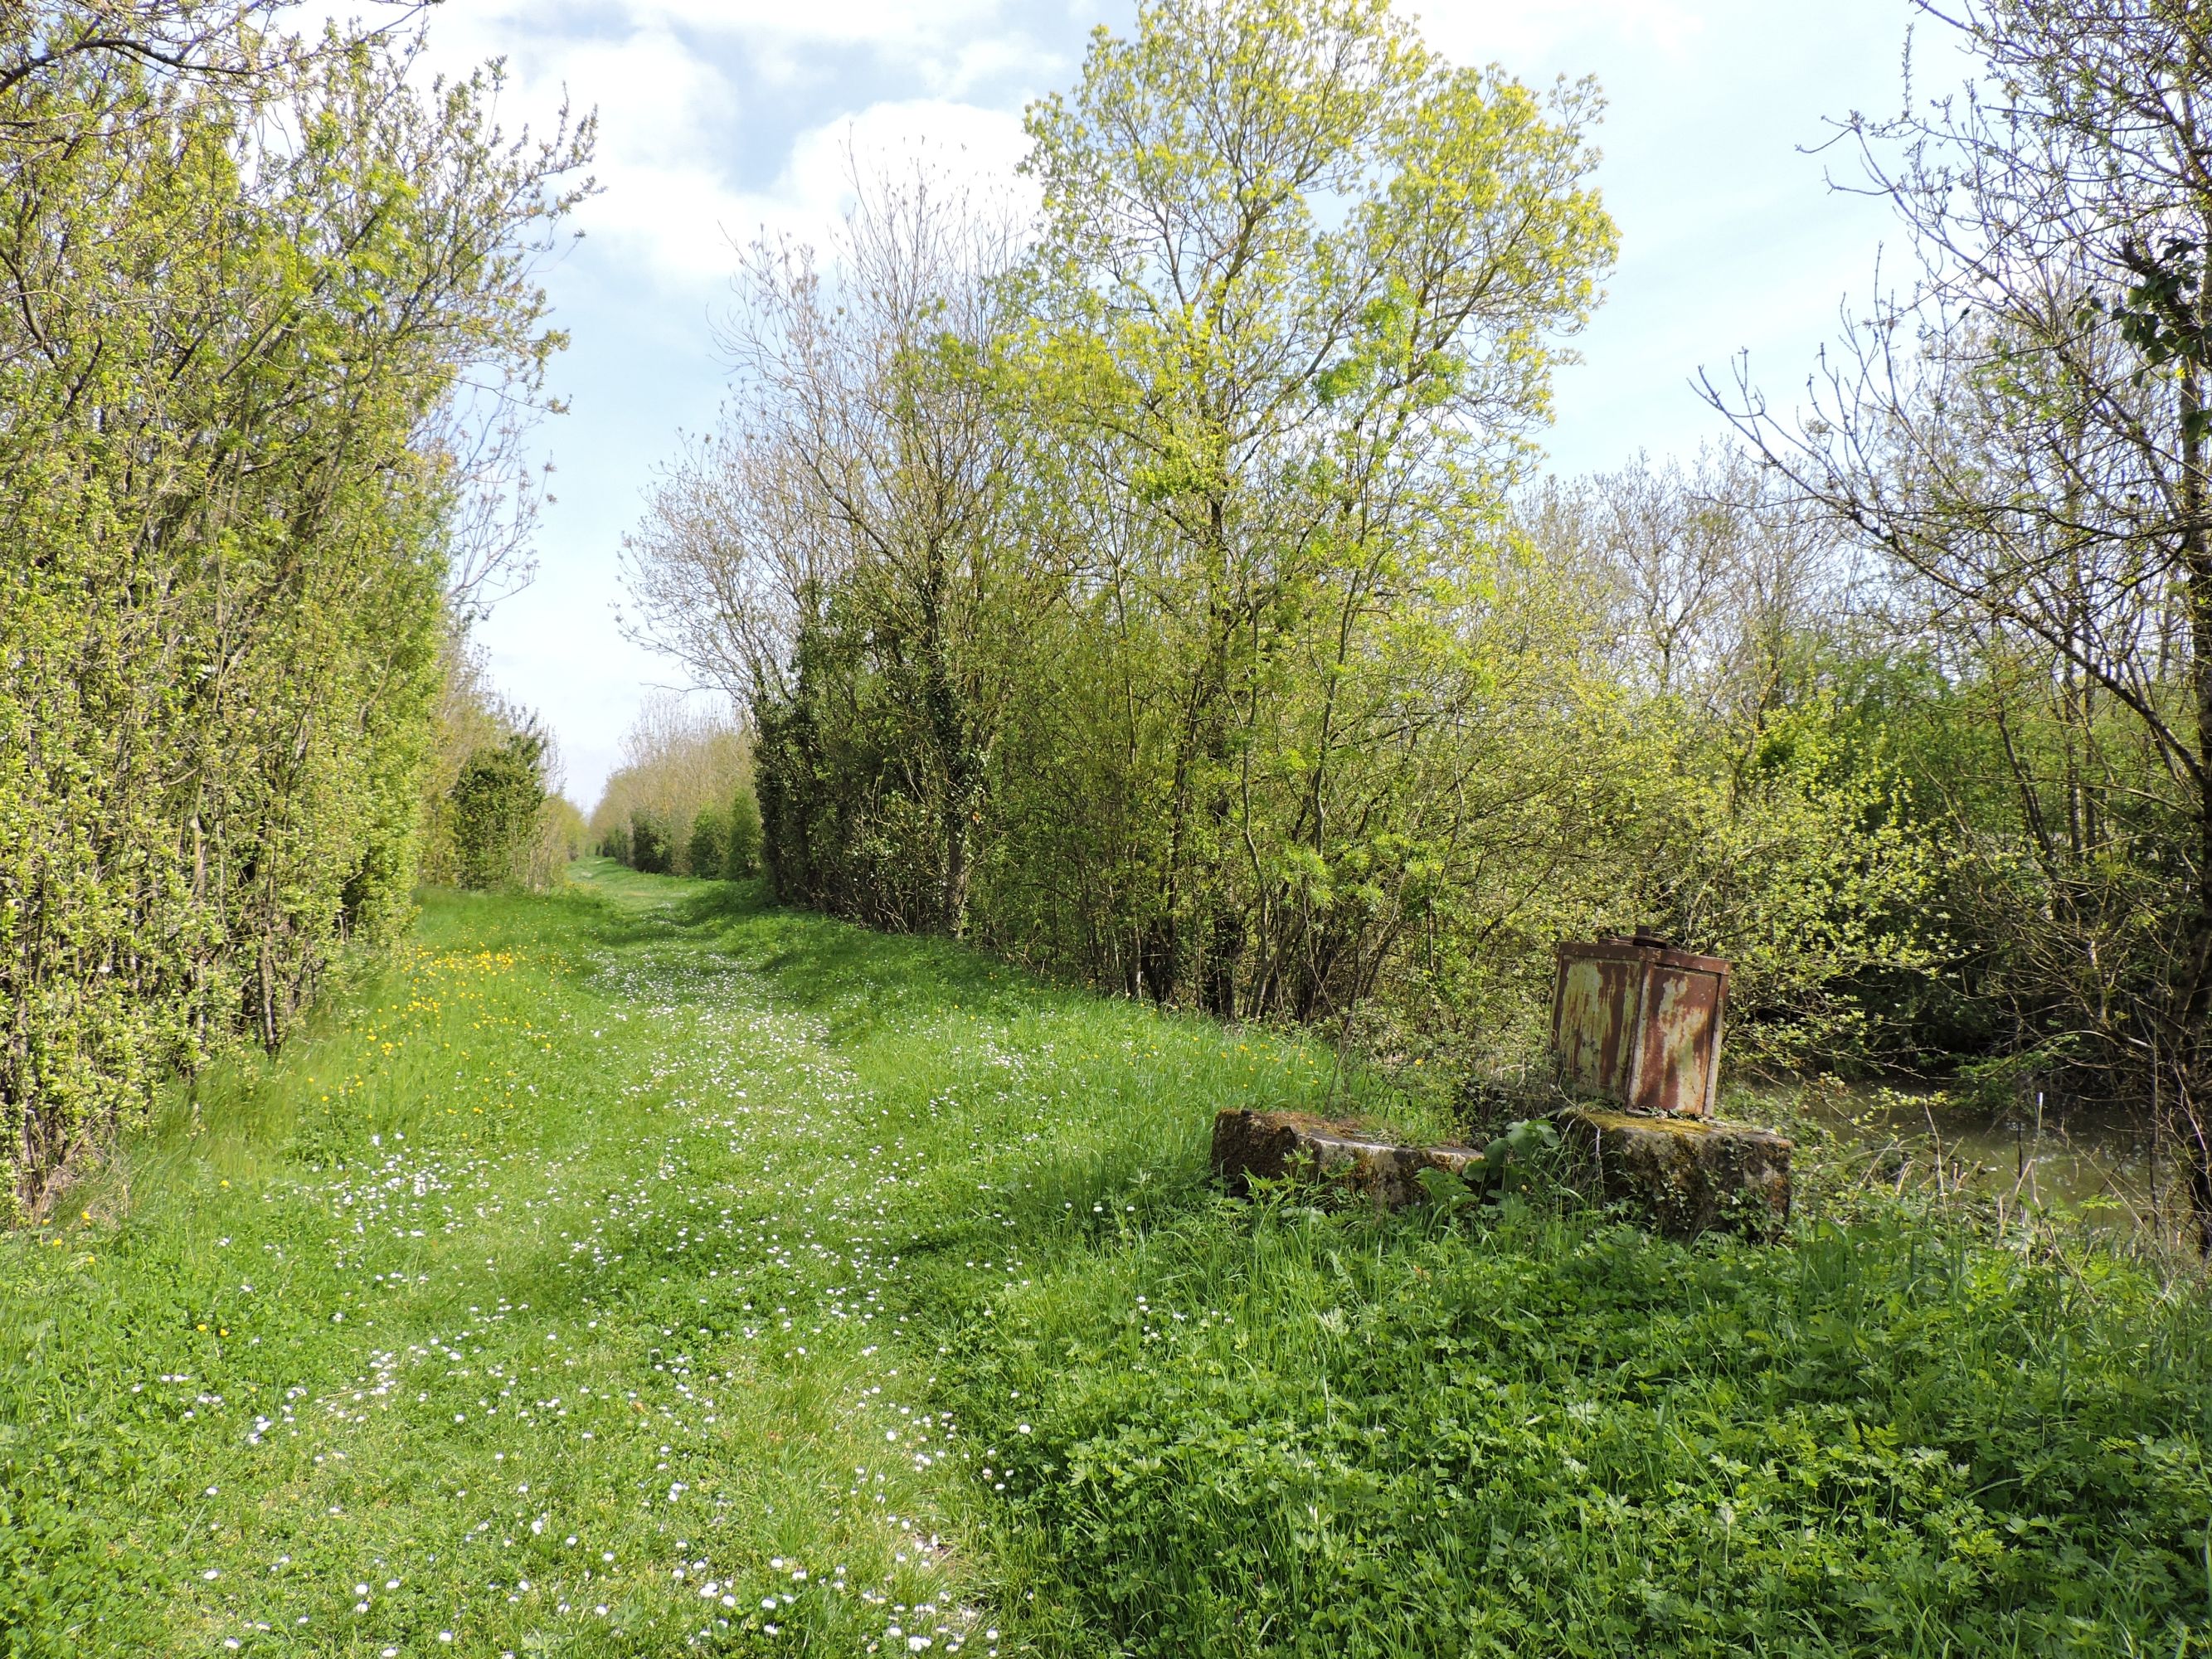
[(652, 844), (496, 801), (744, 845), (680, 760), (707, 852), (232, 485)]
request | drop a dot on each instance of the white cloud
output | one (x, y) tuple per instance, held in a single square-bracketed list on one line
[(887, 25), (669, 206), (998, 56), (963, 143), (1520, 36), (665, 123), (684, 221), (949, 46)]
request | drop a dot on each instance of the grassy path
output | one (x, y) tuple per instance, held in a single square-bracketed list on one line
[(580, 1290), (642, 1271)]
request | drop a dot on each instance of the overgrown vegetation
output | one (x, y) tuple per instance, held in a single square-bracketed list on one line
[(492, 814), (2024, 439), (247, 277), (877, 1291), (1162, 593)]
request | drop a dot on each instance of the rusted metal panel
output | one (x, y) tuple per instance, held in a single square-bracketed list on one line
[(1590, 1018), (1636, 1021)]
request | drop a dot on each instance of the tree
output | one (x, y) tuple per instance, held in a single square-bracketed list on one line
[(1297, 294), (858, 492), (744, 847), (707, 851), (652, 842), (1777, 821), (678, 762), (2024, 435), (496, 804)]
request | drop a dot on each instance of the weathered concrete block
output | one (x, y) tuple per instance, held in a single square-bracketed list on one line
[(1271, 1146), (1686, 1175)]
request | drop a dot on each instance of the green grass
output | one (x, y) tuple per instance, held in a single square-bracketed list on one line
[(645, 1231)]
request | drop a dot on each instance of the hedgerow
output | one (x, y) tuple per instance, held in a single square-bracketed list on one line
[(240, 295)]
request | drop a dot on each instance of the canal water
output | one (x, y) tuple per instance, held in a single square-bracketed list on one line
[(2097, 1166)]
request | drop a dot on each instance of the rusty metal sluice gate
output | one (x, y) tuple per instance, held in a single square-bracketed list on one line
[(1636, 1030), (1637, 1022)]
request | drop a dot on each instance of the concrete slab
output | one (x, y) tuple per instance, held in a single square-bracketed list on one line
[(1686, 1176), (1271, 1146)]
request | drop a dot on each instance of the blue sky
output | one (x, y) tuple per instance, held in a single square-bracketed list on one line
[(719, 117)]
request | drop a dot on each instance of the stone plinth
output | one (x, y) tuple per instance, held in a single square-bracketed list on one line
[(1686, 1176), (1274, 1145)]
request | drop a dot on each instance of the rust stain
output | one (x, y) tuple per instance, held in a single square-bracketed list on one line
[(1636, 1021)]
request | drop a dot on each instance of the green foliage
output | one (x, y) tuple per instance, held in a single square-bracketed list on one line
[(1810, 870), (680, 769), (479, 827), (226, 520), (1553, 1435), (498, 800), (652, 844), (744, 843), (707, 850), (1517, 1162), (1245, 676), (1168, 630), (1165, 600)]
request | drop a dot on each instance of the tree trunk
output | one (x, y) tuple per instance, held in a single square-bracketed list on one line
[(957, 759), (2194, 991)]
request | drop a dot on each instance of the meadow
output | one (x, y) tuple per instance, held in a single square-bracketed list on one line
[(642, 1268)]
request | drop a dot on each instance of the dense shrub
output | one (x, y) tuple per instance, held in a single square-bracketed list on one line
[(1334, 716), (680, 760), (226, 518), (477, 768), (496, 801), (652, 844), (707, 851), (744, 852)]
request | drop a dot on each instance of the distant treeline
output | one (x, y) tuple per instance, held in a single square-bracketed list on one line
[(1159, 589), (248, 283), (681, 802)]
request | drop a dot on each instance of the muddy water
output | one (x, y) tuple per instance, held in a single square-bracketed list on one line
[(2096, 1163)]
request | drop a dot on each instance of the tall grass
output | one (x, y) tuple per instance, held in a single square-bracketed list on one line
[(616, 1247)]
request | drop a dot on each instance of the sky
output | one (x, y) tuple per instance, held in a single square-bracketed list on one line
[(719, 119)]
